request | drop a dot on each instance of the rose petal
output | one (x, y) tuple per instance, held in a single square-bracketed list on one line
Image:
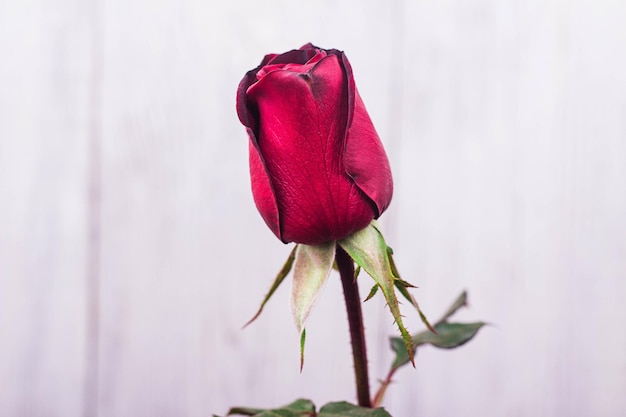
[(263, 192), (365, 158), (318, 202)]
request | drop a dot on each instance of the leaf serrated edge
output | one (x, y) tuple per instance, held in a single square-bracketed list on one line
[(402, 286)]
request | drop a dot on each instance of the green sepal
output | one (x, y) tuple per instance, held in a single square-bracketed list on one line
[(302, 340), (311, 269), (372, 293), (368, 249), (279, 279), (402, 286)]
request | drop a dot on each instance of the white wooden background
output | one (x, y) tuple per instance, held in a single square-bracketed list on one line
[(131, 252)]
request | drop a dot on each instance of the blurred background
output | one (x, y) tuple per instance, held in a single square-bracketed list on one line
[(131, 252)]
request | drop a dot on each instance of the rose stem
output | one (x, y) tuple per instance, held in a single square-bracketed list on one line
[(345, 266)]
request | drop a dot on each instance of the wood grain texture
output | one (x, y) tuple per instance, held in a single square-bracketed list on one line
[(125, 206), (44, 117)]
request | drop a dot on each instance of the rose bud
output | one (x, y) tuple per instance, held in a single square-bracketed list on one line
[(318, 169)]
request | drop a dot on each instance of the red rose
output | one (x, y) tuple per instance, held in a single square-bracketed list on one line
[(318, 169)]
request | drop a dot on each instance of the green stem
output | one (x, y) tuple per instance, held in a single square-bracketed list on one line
[(345, 265)]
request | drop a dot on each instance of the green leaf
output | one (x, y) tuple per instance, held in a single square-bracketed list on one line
[(345, 409), (461, 301), (305, 408), (279, 279), (298, 408), (449, 336), (311, 270), (244, 411), (368, 249), (452, 335)]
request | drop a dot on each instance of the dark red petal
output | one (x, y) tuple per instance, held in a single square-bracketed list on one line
[(262, 190), (291, 67), (296, 56), (365, 159), (302, 124), (309, 46)]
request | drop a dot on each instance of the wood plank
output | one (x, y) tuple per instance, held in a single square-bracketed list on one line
[(45, 89), (510, 188), (504, 127)]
